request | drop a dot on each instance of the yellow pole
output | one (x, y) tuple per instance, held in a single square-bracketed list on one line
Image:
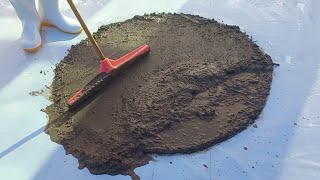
[(86, 30)]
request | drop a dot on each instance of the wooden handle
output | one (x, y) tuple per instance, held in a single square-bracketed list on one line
[(86, 30)]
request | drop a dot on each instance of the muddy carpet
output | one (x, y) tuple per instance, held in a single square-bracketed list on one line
[(202, 83)]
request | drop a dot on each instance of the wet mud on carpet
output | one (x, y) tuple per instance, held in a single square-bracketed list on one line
[(202, 83)]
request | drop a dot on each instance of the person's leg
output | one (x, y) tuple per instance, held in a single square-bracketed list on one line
[(51, 16), (26, 11)]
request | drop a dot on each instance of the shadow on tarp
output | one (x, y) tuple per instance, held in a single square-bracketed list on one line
[(64, 117), (14, 60), (21, 142)]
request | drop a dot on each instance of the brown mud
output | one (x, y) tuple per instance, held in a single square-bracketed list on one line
[(202, 83)]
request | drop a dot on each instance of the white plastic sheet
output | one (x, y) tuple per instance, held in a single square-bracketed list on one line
[(284, 146)]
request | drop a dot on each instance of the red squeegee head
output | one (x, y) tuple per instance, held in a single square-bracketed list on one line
[(107, 66)]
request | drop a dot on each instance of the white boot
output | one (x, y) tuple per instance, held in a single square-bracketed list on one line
[(51, 16), (26, 11)]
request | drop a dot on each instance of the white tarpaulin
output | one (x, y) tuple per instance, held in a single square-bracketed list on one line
[(284, 146)]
